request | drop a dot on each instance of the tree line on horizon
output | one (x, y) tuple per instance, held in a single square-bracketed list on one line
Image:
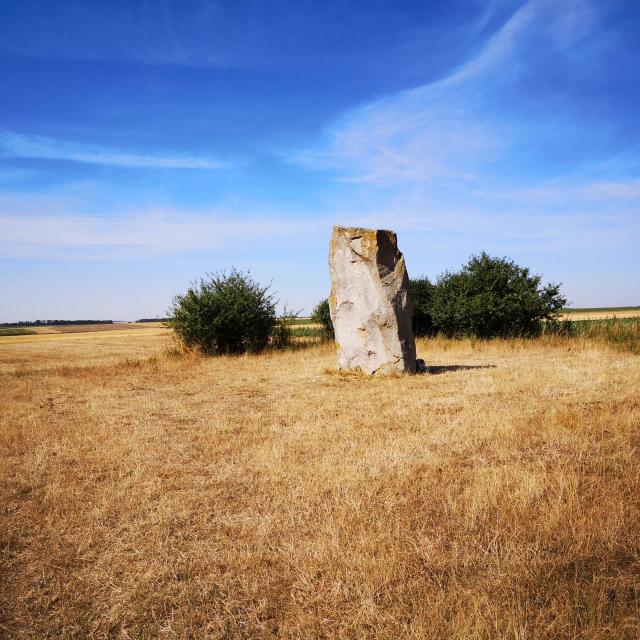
[(46, 323)]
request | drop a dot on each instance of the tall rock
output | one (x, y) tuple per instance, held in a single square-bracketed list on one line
[(370, 303)]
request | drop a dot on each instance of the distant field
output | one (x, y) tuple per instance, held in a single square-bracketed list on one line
[(600, 313), (17, 331), (589, 309), (302, 328), (77, 328)]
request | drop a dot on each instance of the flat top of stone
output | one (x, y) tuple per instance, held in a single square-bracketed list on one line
[(357, 230)]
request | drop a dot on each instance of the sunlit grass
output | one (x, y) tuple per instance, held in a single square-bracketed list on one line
[(150, 494)]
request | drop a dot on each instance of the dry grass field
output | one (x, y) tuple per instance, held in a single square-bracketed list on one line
[(146, 495), (79, 349)]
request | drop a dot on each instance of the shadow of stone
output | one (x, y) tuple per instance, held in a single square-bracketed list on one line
[(446, 368)]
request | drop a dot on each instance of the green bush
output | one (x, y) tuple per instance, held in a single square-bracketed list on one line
[(225, 314), (421, 291), (492, 297), (321, 315)]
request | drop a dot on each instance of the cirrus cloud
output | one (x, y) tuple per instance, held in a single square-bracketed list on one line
[(13, 145)]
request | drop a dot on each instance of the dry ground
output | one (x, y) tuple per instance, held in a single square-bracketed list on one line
[(263, 497), (51, 351)]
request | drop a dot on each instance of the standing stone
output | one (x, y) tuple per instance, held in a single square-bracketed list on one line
[(370, 304)]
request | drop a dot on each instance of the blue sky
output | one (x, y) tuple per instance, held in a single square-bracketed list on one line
[(143, 144)]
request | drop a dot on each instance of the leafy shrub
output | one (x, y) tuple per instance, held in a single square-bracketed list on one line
[(421, 291), (321, 315), (493, 297), (225, 314)]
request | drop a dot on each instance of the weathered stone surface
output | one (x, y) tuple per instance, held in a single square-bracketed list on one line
[(370, 304)]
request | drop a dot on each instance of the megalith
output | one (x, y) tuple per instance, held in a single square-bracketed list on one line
[(370, 303)]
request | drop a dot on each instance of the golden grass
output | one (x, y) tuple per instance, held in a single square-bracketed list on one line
[(52, 351), (264, 497)]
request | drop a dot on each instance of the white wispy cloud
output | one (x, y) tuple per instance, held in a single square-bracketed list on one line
[(65, 225), (451, 128), (489, 224), (146, 235), (562, 192), (62, 226), (13, 145), (436, 162)]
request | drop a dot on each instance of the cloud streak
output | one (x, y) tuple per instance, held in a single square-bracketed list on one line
[(37, 147), (456, 127), (592, 193), (65, 226), (59, 226)]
